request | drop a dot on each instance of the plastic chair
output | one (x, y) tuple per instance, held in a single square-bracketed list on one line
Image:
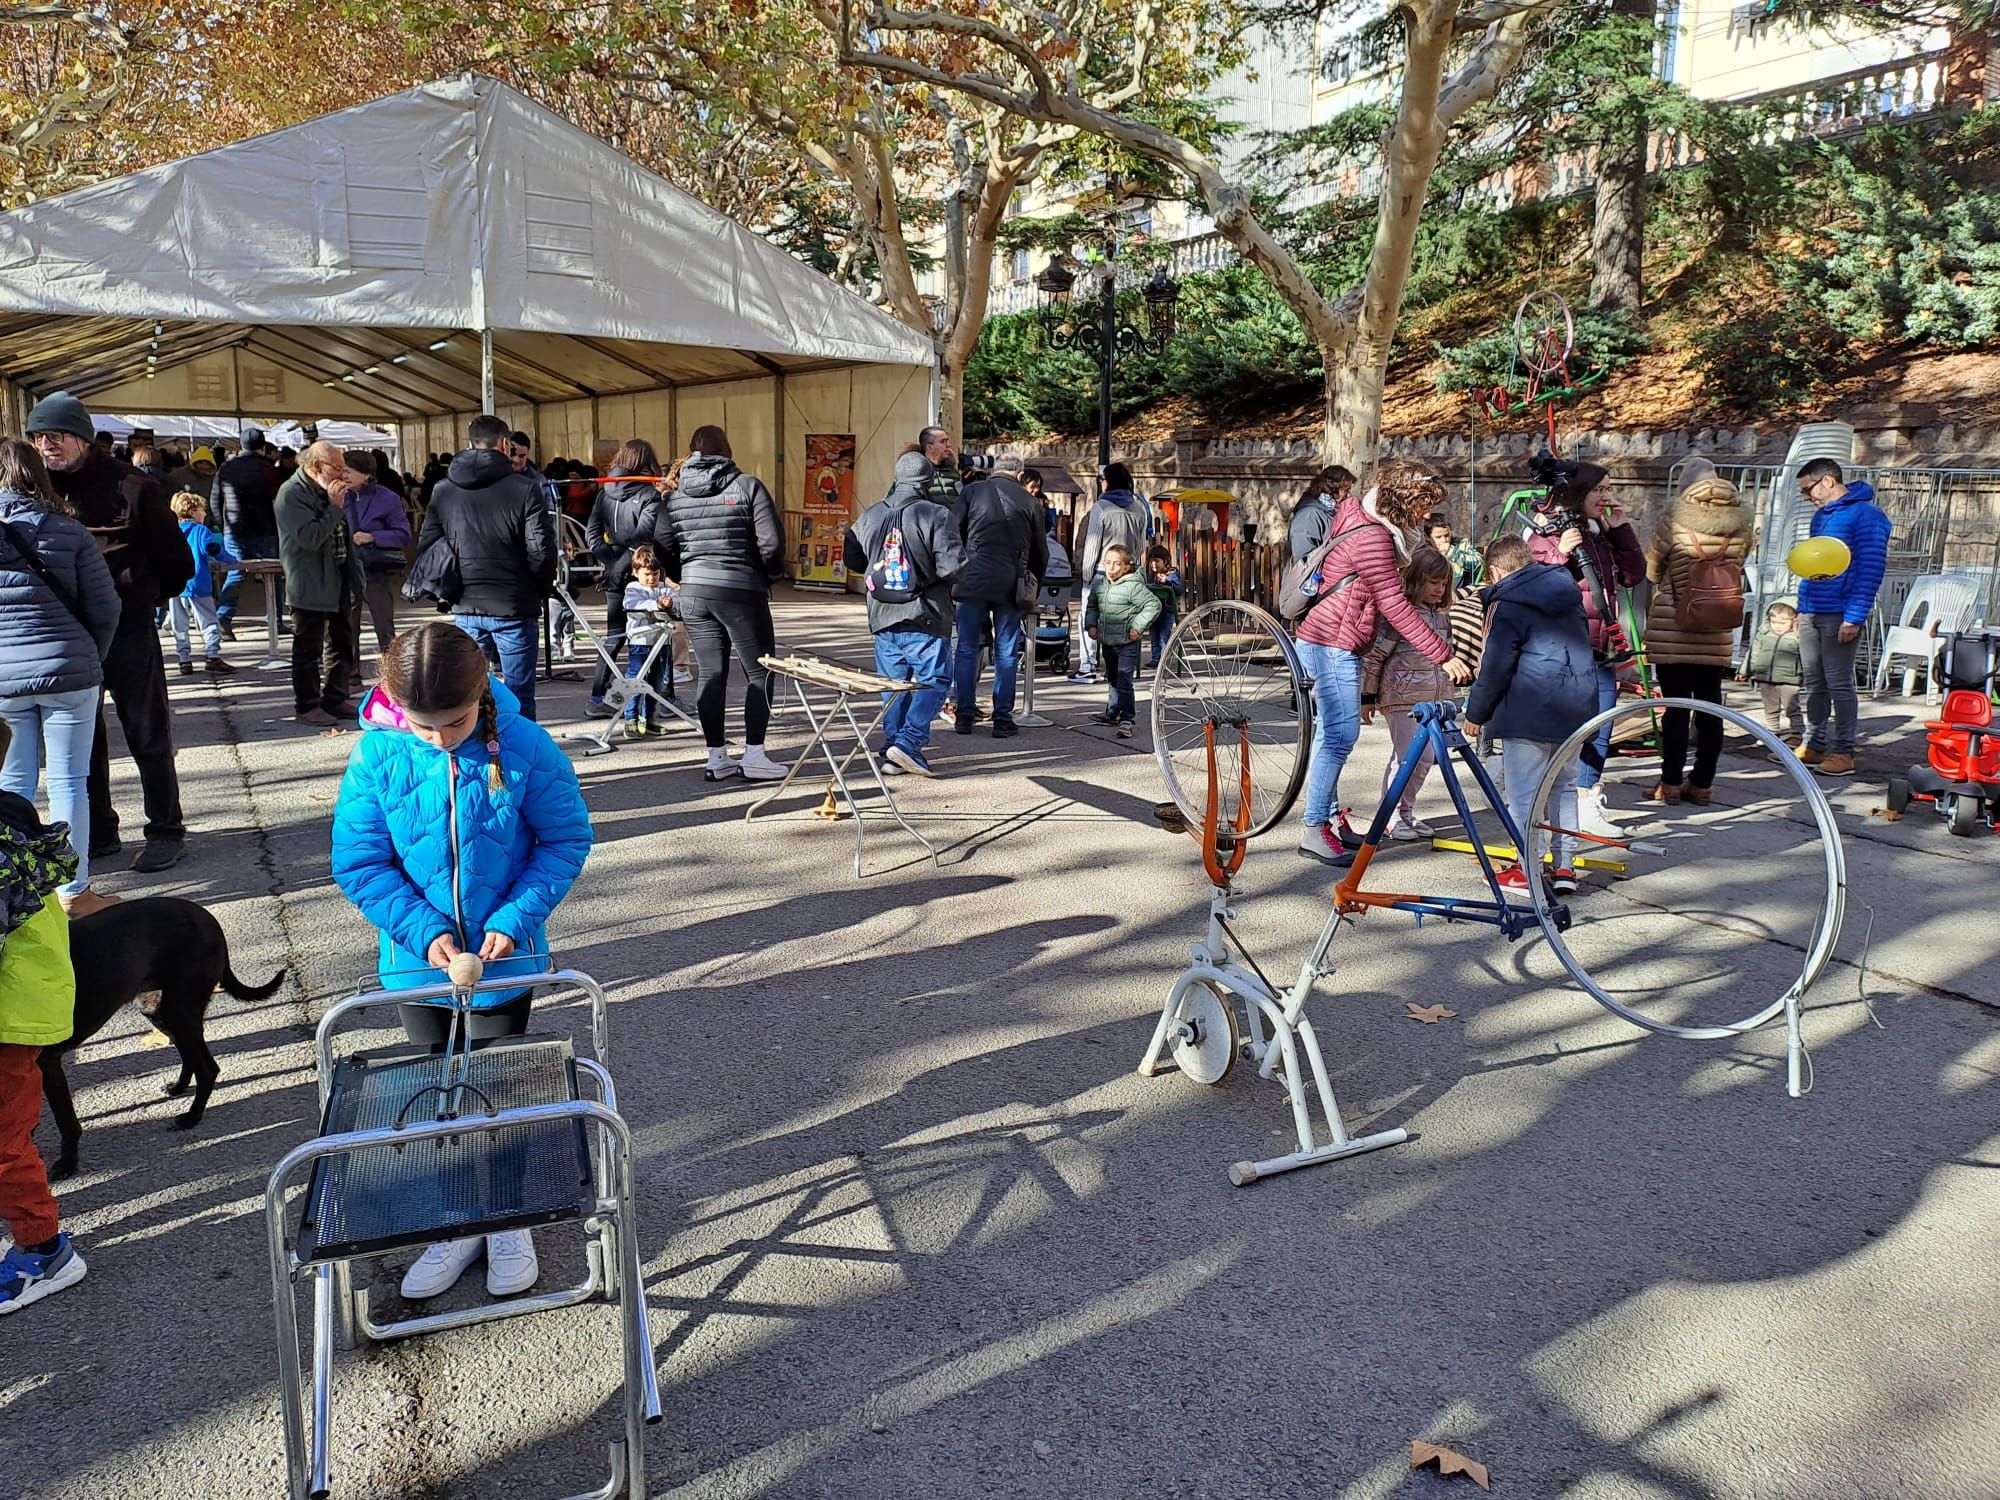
[(1938, 605)]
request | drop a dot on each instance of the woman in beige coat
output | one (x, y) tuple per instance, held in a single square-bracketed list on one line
[(1706, 522)]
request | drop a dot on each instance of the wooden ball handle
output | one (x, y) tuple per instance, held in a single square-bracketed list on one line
[(465, 970)]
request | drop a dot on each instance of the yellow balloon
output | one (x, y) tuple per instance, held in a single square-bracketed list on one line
[(1819, 557)]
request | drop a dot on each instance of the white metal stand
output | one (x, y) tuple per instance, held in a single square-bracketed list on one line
[(1201, 1033), (621, 689), (844, 683)]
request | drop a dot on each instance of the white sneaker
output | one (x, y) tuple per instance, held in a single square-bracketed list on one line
[(1590, 816), (720, 767), (438, 1268), (1409, 830), (757, 766), (510, 1263), (682, 676)]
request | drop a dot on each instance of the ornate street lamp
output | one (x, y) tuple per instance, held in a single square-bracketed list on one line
[(1097, 330)]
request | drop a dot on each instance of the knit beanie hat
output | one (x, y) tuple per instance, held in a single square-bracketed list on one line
[(914, 468), (61, 412)]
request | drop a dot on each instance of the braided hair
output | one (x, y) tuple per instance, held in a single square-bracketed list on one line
[(436, 668)]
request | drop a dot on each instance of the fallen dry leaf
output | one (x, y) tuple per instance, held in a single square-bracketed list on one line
[(1885, 815), (1430, 1015), (1448, 1462)]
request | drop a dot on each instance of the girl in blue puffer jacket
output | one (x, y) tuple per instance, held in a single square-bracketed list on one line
[(460, 826)]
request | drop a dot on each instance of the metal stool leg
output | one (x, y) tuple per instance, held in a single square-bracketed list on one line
[(322, 1375)]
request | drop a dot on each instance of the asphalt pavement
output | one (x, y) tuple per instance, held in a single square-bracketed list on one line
[(912, 1223)]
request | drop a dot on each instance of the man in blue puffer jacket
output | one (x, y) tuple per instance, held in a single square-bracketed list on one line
[(1833, 612)]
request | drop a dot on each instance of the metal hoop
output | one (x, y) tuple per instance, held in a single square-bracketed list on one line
[(1832, 907)]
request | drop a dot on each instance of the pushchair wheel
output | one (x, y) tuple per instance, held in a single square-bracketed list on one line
[(1965, 816), (1899, 794)]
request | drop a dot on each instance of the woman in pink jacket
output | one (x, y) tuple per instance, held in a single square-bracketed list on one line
[(1361, 580)]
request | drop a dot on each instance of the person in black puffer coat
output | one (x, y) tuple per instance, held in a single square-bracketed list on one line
[(720, 534), (54, 632), (1005, 546), (501, 529), (625, 515), (244, 493)]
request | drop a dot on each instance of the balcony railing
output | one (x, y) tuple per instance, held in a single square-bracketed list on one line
[(1908, 89)]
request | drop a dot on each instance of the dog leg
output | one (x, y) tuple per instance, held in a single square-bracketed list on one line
[(181, 1084), (196, 1061), (55, 1089)]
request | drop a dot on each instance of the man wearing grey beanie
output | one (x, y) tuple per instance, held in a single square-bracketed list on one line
[(150, 562)]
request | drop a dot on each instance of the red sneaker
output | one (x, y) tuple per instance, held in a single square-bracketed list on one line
[(1513, 878), (1563, 881)]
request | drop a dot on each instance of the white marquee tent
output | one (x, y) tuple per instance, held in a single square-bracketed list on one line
[(410, 261)]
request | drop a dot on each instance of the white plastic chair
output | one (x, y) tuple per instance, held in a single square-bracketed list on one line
[(1938, 604)]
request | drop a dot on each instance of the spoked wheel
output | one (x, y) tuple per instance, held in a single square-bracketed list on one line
[(1231, 665), (1204, 1038)]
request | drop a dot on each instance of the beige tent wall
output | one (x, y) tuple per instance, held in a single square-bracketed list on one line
[(231, 381), (884, 406)]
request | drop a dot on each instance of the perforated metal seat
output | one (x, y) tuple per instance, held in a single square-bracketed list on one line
[(482, 1182)]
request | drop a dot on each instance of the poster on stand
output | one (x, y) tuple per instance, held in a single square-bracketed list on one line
[(829, 510)]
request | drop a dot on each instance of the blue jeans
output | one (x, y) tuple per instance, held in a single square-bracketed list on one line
[(1007, 638), (511, 645), (1336, 679), (639, 710), (1833, 705), (912, 656), (1523, 763), (1598, 750), (65, 726), (1162, 629), (1121, 666), (236, 548)]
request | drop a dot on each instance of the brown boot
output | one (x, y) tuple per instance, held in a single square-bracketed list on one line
[(1661, 792), (85, 903), (1698, 795), (1836, 764)]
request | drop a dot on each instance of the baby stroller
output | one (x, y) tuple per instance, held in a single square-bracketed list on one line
[(1052, 627), (1962, 777)]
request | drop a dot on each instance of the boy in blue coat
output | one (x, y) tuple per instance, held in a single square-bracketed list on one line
[(459, 828), (1537, 684), (1834, 611), (198, 598)]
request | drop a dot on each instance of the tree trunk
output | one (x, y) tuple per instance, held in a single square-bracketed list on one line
[(1618, 229)]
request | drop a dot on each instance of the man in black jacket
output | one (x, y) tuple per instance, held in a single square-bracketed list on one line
[(908, 550), (245, 488), (500, 528), (1006, 552), (625, 515), (150, 563)]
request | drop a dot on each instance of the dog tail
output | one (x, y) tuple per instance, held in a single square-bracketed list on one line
[(242, 991)]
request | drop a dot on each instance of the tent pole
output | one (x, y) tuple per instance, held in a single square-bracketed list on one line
[(486, 371)]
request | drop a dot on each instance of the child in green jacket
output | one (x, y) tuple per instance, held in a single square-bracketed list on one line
[(1121, 609), (37, 1010), (1774, 666)]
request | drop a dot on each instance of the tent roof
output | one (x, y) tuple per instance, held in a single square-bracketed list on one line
[(342, 250)]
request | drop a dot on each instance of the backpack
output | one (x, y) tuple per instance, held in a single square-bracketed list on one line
[(1712, 598), (1301, 586), (892, 576)]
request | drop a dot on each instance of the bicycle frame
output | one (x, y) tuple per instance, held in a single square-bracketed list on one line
[(1438, 732)]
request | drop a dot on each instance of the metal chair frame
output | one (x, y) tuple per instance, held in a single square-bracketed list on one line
[(341, 1313)]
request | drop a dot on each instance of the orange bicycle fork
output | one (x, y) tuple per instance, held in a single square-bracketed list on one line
[(1219, 868)]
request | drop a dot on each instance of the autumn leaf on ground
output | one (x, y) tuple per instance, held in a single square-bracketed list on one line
[(1448, 1462), (1430, 1015), (1887, 815)]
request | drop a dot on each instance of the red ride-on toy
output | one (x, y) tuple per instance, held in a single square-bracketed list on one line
[(1962, 777)]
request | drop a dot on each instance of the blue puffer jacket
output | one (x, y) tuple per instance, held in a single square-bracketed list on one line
[(515, 853), (44, 648), (1857, 520), (1537, 680)]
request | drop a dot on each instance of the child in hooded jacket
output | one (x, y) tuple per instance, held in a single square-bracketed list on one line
[(1396, 676), (1537, 686), (1120, 609), (460, 826)]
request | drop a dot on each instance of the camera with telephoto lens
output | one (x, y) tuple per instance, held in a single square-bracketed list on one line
[(1547, 516)]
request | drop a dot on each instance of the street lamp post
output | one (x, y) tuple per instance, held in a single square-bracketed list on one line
[(1098, 330)]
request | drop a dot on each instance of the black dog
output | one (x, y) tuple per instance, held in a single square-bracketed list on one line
[(120, 953)]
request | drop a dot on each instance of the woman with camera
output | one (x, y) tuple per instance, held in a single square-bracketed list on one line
[(1578, 530)]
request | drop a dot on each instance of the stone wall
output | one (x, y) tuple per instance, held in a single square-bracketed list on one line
[(1267, 475)]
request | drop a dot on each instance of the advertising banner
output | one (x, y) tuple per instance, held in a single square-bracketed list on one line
[(829, 510)]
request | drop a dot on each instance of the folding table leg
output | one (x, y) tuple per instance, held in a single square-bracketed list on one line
[(322, 1375)]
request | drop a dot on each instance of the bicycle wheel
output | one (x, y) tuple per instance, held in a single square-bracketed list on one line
[(1231, 666)]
